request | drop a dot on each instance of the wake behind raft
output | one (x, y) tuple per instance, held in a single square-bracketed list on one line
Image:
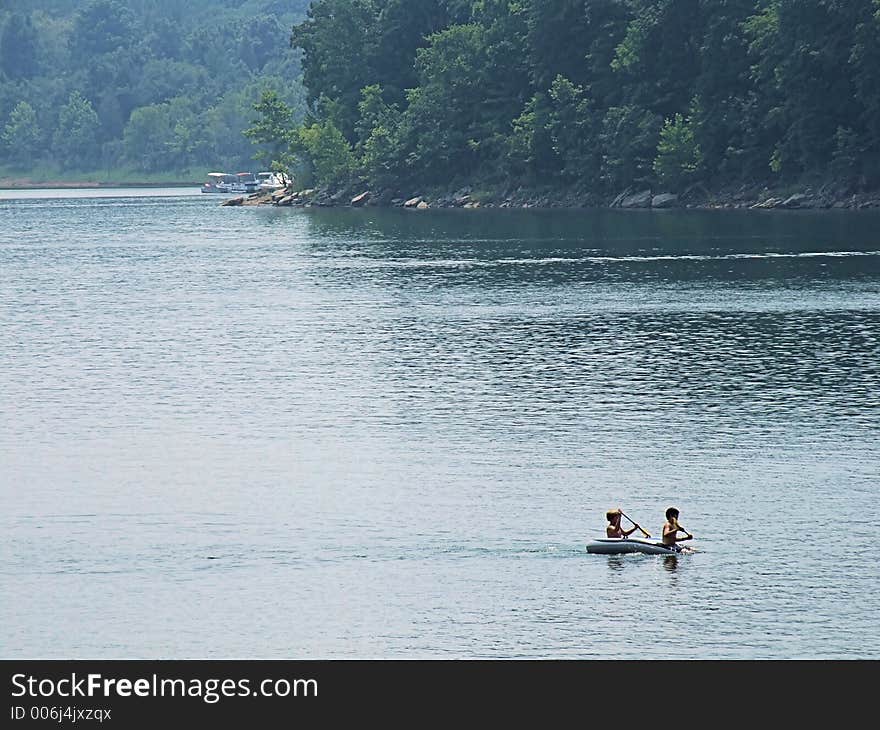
[(621, 545)]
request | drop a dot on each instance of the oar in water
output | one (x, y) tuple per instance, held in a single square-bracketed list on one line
[(636, 524)]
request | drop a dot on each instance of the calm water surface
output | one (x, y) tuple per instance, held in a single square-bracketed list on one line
[(279, 433)]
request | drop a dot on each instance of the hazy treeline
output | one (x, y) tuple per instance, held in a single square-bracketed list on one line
[(598, 95), (147, 85)]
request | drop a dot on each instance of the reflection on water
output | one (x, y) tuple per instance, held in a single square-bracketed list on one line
[(395, 430)]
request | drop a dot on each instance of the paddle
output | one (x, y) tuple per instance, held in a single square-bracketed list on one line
[(689, 536), (647, 534)]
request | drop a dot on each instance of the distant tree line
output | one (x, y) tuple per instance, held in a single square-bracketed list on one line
[(146, 85), (599, 95)]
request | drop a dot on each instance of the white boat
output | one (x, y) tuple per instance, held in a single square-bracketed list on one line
[(621, 545), (223, 182), (218, 182), (270, 181), (245, 182)]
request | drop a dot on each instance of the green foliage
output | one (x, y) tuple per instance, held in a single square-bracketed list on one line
[(273, 132), (194, 69), (379, 129), (76, 138), (568, 92), (848, 151), (22, 135), (575, 92), (722, 109), (445, 117), (336, 39), (809, 63), (631, 51), (576, 39), (678, 155), (160, 137), (530, 150), (572, 126), (18, 47), (99, 28), (628, 139), (658, 60), (327, 152), (571, 92)]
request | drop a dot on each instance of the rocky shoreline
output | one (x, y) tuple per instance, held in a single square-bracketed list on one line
[(697, 197)]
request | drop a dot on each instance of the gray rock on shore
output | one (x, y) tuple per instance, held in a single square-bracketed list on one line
[(795, 201), (697, 196), (637, 200), (664, 200)]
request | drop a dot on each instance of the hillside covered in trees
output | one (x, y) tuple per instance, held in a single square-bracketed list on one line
[(147, 86), (592, 96)]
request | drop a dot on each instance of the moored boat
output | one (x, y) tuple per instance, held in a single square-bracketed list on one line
[(270, 181), (224, 182), (245, 182), (622, 545), (218, 182)]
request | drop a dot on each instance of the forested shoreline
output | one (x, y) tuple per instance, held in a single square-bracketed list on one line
[(587, 101), (138, 90), (508, 102)]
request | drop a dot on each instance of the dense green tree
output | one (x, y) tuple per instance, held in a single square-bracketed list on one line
[(803, 53), (273, 132), (506, 82), (628, 140), (576, 39), (101, 27), (446, 119), (337, 39), (224, 124), (163, 136), (659, 57), (76, 137), (148, 137), (531, 154), (18, 47), (402, 28), (380, 127), (260, 39), (588, 94), (22, 135), (329, 156), (723, 129), (161, 79), (209, 59), (679, 157), (863, 146), (573, 128)]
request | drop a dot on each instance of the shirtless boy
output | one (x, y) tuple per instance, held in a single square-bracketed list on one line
[(671, 528), (614, 529)]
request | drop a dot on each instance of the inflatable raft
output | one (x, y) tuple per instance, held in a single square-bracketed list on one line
[(619, 545)]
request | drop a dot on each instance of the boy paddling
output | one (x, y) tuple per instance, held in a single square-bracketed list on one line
[(614, 528), (671, 528)]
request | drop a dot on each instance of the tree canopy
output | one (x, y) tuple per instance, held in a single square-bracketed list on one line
[(147, 85), (598, 95), (592, 95)]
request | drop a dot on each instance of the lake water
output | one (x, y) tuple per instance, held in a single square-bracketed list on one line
[(312, 433)]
